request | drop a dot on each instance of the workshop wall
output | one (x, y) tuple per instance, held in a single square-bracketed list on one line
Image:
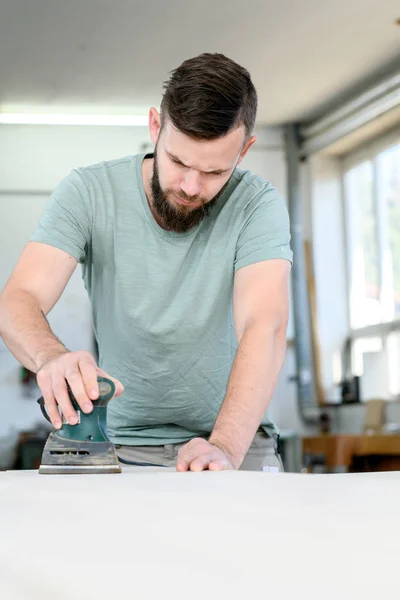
[(34, 160)]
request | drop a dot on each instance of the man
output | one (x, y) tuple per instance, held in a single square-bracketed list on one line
[(186, 261)]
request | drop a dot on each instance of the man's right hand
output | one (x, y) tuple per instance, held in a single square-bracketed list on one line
[(80, 371)]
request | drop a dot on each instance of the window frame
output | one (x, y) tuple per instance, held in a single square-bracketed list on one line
[(382, 330), (368, 152)]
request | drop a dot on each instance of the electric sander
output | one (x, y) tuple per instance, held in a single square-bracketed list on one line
[(84, 447)]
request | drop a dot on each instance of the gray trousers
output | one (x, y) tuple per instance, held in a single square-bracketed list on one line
[(261, 456)]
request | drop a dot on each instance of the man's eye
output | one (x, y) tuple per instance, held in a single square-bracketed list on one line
[(177, 162)]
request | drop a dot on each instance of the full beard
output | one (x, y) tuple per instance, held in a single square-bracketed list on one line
[(175, 218)]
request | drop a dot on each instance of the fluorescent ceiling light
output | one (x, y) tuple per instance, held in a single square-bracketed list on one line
[(70, 119)]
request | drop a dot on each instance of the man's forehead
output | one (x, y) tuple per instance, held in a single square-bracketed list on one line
[(208, 155)]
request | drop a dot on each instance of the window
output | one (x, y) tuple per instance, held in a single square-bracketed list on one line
[(388, 195), (363, 245), (372, 214)]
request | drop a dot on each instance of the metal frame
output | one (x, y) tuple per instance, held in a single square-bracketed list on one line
[(302, 339), (369, 153), (374, 103)]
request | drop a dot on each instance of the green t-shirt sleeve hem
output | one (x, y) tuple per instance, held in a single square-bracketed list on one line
[(50, 241), (281, 252)]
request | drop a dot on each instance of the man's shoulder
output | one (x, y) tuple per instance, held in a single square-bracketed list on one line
[(116, 168), (252, 188)]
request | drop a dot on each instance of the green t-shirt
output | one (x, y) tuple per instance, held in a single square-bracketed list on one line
[(162, 301)]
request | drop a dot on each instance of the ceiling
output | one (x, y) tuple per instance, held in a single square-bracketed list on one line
[(113, 55)]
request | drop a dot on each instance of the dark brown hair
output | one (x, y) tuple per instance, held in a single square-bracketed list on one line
[(208, 96)]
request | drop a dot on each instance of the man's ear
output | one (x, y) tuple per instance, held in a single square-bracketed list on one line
[(154, 124), (248, 145)]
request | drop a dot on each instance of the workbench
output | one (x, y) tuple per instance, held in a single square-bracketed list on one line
[(350, 451), (157, 534)]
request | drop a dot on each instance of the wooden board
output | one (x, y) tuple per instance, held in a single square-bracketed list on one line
[(157, 534), (319, 388)]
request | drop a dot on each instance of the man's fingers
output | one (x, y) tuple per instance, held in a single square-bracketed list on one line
[(62, 397), (196, 462), (50, 403), (119, 388), (209, 462), (219, 465), (186, 454), (87, 367), (79, 371), (201, 462), (182, 464), (78, 390), (199, 455)]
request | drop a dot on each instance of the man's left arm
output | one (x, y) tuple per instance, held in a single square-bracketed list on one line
[(261, 312)]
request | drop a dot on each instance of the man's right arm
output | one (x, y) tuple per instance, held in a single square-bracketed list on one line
[(34, 287)]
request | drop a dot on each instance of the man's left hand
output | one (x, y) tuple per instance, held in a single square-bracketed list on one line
[(200, 455)]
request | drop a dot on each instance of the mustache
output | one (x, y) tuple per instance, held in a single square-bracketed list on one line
[(182, 196)]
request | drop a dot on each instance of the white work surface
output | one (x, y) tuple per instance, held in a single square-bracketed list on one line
[(157, 534)]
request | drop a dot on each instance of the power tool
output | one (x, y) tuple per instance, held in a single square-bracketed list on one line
[(84, 447)]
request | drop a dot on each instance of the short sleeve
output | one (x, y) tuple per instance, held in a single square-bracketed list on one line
[(66, 220), (265, 234)]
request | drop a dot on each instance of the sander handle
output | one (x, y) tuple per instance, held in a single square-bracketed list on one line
[(44, 412), (106, 389)]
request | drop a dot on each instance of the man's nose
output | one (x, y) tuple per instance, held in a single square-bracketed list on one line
[(191, 184)]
